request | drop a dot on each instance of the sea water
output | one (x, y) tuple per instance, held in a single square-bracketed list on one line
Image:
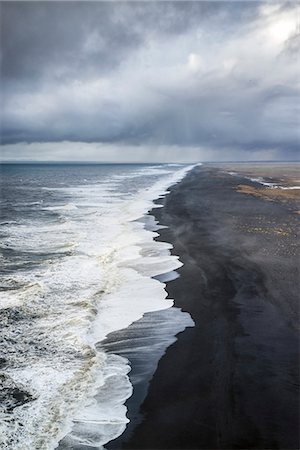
[(78, 262)]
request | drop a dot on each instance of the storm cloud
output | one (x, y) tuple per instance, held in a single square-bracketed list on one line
[(130, 80)]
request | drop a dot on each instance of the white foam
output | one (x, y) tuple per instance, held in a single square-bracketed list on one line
[(103, 417), (261, 181), (73, 302), (288, 187), (67, 207)]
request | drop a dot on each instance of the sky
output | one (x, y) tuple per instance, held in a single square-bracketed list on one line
[(148, 81)]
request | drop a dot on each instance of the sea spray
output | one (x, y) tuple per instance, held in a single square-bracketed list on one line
[(81, 266)]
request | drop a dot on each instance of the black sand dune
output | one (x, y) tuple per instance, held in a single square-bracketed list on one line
[(231, 382)]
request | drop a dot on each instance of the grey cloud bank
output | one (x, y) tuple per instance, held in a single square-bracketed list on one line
[(149, 81)]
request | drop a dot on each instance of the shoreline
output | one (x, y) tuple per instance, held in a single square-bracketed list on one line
[(229, 382)]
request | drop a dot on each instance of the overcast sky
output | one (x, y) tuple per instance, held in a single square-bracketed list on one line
[(150, 81)]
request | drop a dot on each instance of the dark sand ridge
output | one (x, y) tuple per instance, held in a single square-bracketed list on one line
[(232, 380)]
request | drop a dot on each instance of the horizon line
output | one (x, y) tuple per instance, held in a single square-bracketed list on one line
[(56, 162)]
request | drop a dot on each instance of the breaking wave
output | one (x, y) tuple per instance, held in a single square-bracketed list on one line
[(69, 281)]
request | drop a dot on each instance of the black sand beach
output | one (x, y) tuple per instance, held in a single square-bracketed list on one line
[(231, 381)]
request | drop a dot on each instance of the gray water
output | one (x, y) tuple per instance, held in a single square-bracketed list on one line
[(77, 263)]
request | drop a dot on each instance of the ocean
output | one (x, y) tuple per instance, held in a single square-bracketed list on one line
[(79, 262)]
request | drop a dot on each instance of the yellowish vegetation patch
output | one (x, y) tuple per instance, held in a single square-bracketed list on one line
[(269, 193)]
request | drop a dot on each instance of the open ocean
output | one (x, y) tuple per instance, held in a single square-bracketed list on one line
[(78, 261)]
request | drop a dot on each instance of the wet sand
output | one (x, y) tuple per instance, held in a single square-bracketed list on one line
[(231, 381)]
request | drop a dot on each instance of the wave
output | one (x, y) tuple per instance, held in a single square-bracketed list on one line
[(67, 207), (68, 305)]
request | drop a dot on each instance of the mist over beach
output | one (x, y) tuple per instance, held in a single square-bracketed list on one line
[(149, 223)]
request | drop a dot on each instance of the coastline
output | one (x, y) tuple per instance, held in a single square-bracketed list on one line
[(229, 382), (78, 264)]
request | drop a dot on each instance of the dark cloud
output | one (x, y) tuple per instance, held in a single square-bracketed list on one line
[(67, 37), (212, 74), (57, 39)]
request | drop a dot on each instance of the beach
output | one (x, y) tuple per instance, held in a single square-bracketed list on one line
[(231, 380), (149, 214)]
